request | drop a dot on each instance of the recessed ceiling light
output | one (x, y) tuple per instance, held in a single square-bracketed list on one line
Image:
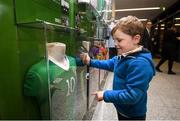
[(133, 9), (177, 18), (177, 24), (139, 9)]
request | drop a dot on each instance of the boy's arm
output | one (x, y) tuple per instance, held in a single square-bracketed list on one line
[(137, 82), (103, 64)]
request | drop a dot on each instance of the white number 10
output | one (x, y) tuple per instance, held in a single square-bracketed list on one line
[(70, 85)]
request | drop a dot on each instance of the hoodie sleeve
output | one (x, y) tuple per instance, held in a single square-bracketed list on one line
[(103, 64), (139, 74)]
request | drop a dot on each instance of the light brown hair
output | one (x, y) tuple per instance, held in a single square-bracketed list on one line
[(130, 25)]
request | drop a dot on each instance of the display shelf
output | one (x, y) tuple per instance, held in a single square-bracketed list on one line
[(41, 24)]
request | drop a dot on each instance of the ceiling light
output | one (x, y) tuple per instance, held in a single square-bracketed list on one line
[(85, 1), (143, 19), (139, 9), (133, 9), (177, 24), (118, 20), (177, 18), (163, 8)]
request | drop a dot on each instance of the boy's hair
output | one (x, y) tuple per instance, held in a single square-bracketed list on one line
[(130, 25)]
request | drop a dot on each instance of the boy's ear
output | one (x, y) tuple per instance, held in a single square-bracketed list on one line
[(137, 38)]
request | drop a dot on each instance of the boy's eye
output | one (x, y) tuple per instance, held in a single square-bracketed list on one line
[(118, 40)]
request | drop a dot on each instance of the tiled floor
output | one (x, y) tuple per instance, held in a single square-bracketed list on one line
[(163, 97)]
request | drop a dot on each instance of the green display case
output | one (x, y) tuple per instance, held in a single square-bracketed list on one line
[(41, 76), (26, 28)]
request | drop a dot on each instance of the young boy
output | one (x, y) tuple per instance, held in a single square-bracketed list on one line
[(133, 70)]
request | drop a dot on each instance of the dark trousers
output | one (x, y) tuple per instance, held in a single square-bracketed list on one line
[(120, 117), (170, 63)]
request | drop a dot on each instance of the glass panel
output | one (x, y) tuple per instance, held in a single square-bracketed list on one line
[(32, 53), (68, 86), (58, 86)]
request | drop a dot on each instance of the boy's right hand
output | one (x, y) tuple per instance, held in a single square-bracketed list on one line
[(99, 95), (85, 58)]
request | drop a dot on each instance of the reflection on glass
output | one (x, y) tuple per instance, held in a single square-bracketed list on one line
[(98, 50), (36, 85)]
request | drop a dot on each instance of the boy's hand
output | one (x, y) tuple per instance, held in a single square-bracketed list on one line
[(99, 95), (85, 58)]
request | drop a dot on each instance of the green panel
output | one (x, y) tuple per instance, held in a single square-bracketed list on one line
[(72, 13), (9, 59), (12, 102), (30, 10)]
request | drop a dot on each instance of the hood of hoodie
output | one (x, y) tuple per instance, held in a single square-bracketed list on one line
[(145, 54)]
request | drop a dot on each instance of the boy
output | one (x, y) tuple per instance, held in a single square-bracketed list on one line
[(133, 70)]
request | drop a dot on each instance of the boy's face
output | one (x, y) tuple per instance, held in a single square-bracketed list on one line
[(125, 42)]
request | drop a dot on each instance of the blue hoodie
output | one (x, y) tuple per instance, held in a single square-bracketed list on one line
[(132, 75)]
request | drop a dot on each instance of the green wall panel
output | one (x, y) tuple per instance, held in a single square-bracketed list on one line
[(12, 103), (30, 10)]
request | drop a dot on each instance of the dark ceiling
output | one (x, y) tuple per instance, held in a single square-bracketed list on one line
[(146, 14)]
